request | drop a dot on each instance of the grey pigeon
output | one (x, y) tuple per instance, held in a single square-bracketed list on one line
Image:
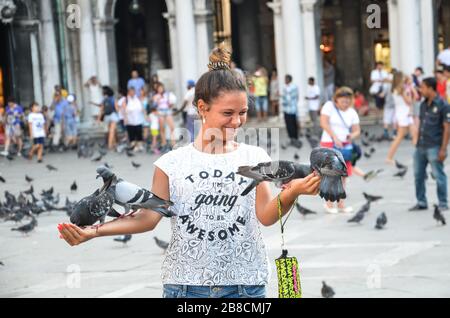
[(2, 179), (327, 291), (401, 173), (51, 168), (162, 244), (28, 227), (328, 163), (30, 191), (372, 174), (381, 221), (400, 166), (74, 187), (357, 218), (304, 211), (123, 239), (372, 198), (135, 165), (28, 179), (438, 216)]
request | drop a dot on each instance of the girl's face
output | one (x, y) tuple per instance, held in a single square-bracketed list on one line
[(226, 113), (160, 89), (131, 93), (344, 103)]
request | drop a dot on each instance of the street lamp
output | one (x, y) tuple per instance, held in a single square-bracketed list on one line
[(7, 11), (135, 7)]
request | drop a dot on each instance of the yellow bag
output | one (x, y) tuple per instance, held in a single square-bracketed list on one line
[(289, 285)]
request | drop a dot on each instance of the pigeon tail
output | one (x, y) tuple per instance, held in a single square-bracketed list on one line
[(332, 189)]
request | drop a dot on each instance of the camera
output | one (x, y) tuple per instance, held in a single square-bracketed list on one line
[(7, 11)]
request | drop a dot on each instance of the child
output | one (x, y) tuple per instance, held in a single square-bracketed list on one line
[(36, 122), (13, 129), (154, 127), (70, 122), (361, 104)]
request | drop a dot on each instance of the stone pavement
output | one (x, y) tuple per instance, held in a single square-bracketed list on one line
[(408, 259)]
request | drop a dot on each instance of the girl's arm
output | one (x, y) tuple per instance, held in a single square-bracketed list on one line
[(325, 124), (356, 132), (143, 221), (267, 206)]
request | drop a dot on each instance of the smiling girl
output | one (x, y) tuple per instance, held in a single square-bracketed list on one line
[(216, 249)]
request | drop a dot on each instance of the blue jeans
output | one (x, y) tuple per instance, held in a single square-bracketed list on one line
[(262, 104), (422, 157), (239, 291)]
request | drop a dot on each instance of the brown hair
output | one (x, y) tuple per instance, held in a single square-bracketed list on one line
[(219, 79), (398, 83), (343, 91)]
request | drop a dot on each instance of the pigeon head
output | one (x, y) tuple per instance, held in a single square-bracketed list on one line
[(328, 162)]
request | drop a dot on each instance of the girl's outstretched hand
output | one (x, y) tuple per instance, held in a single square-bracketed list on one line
[(309, 185), (74, 235)]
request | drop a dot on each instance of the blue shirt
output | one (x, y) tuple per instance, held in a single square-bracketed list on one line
[(14, 116), (59, 110), (290, 99), (70, 114), (432, 120), (137, 84)]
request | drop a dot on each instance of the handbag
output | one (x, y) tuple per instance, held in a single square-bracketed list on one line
[(351, 152), (287, 267)]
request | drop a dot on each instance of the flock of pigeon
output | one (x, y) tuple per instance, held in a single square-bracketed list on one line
[(29, 205)]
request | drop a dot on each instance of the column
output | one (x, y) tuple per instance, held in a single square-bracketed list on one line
[(275, 5), (310, 39), (294, 53), (170, 17), (394, 33), (409, 29), (87, 55), (187, 42), (49, 52), (38, 97), (428, 36), (203, 17), (105, 48)]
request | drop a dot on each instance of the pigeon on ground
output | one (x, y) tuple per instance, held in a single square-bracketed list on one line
[(296, 157), (438, 216), (135, 165), (51, 168), (28, 179), (2, 179), (74, 187), (372, 175), (359, 216), (328, 163), (123, 239), (97, 158), (401, 173), (304, 211), (130, 154), (162, 244), (365, 208), (367, 155), (381, 221), (365, 143), (28, 227), (327, 291), (1, 263), (372, 150), (400, 166), (30, 191), (372, 198)]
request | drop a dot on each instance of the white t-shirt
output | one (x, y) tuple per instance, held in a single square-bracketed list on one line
[(189, 98), (154, 121), (96, 94), (216, 237), (444, 57), (341, 130), (135, 112), (377, 75), (311, 92), (120, 106), (37, 121)]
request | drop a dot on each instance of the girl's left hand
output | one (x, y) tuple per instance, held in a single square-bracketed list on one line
[(309, 185)]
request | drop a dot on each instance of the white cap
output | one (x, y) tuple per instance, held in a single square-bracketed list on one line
[(70, 98)]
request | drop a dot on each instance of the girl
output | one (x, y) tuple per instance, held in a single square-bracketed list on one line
[(340, 123), (216, 248), (403, 99), (164, 103)]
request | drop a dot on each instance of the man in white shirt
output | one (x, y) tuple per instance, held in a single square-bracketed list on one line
[(313, 98), (96, 97), (444, 57), (189, 109), (378, 78)]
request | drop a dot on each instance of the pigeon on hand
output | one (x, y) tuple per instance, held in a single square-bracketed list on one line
[(327, 291), (438, 216), (161, 244), (328, 163), (381, 221), (28, 179), (28, 227), (371, 198), (304, 211), (74, 187), (132, 197), (401, 173), (135, 165), (123, 239), (51, 168)]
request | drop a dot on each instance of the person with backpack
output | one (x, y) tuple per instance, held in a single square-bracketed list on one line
[(110, 116)]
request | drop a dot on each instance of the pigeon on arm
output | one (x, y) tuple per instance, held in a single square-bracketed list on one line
[(130, 196), (328, 163)]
